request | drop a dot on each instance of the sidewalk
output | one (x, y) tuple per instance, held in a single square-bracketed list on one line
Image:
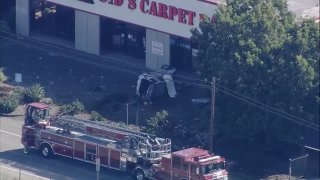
[(10, 173)]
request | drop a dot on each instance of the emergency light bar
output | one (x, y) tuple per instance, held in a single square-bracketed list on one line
[(209, 159)]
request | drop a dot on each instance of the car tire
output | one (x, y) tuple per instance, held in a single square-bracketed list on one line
[(46, 151), (139, 174)]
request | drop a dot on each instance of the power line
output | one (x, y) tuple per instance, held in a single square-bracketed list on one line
[(85, 61), (275, 109), (93, 63), (107, 59), (70, 50), (196, 84), (75, 58), (261, 107), (194, 79)]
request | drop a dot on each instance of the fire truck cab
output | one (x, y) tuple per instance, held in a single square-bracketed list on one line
[(35, 117), (191, 164), (36, 113)]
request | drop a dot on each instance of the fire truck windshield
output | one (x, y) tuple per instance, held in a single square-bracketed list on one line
[(209, 168), (40, 114)]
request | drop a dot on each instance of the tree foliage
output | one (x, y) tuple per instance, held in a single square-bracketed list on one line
[(33, 94), (256, 48), (76, 107), (3, 77), (10, 103)]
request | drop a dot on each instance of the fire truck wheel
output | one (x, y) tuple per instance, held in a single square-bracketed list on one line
[(46, 151), (139, 174)]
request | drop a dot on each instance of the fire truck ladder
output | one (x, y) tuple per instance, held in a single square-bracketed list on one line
[(150, 146)]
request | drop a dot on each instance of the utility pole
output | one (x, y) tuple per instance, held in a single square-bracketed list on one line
[(290, 169), (127, 114), (213, 94), (137, 118)]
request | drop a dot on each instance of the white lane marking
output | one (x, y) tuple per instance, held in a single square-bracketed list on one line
[(24, 172), (10, 133)]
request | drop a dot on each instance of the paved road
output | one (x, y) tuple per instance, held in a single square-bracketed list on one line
[(11, 155)]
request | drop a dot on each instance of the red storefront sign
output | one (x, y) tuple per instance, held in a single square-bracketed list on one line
[(171, 16)]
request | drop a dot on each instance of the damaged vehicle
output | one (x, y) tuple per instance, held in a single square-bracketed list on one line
[(153, 85)]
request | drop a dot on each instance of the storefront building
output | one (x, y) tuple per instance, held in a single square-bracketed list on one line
[(157, 31)]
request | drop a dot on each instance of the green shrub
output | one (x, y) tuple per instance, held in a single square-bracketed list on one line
[(33, 94), (6, 88), (78, 106), (95, 116), (66, 109), (9, 104), (46, 101), (3, 77), (122, 125), (19, 90), (75, 107), (158, 123)]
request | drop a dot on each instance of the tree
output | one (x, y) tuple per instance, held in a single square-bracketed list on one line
[(256, 48)]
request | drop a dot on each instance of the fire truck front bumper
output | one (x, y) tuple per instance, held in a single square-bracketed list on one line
[(222, 175)]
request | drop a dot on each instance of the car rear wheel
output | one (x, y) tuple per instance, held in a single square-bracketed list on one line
[(139, 174), (46, 151)]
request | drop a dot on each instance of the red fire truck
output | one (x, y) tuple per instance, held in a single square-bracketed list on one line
[(140, 154)]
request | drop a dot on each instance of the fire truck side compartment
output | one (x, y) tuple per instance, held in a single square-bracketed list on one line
[(91, 152), (61, 145), (104, 156), (63, 150), (115, 158), (78, 149)]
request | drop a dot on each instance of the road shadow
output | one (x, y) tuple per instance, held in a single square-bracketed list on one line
[(56, 168)]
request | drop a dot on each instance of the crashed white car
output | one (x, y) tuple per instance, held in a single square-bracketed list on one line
[(153, 85)]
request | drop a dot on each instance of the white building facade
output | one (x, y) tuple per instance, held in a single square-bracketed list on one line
[(157, 31)]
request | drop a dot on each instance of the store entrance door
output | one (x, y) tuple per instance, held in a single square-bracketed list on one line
[(8, 15), (181, 54), (123, 38)]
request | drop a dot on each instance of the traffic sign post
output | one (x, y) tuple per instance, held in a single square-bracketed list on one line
[(18, 78), (97, 167)]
